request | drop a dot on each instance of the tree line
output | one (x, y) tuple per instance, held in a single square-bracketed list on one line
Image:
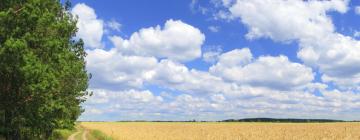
[(289, 120), (43, 79)]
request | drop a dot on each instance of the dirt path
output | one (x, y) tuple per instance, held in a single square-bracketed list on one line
[(80, 131), (72, 136), (84, 134)]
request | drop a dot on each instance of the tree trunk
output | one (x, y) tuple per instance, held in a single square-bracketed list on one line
[(16, 134), (7, 125), (48, 134), (12, 132)]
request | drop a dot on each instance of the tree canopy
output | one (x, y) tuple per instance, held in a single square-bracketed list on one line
[(43, 79)]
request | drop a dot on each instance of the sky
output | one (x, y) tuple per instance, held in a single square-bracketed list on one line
[(220, 59)]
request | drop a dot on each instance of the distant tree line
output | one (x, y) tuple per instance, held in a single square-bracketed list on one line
[(290, 120), (43, 79), (287, 120)]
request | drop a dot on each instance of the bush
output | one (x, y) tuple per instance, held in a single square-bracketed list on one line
[(61, 134)]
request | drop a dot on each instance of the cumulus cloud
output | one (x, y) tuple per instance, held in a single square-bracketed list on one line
[(211, 55), (120, 103), (283, 20), (111, 69), (176, 40), (237, 84), (204, 96), (91, 28), (307, 23), (176, 76), (133, 62), (272, 72), (244, 101)]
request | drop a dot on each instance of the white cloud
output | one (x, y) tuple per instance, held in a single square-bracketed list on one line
[(125, 96), (272, 72), (120, 104), (244, 101), (176, 76), (91, 28), (111, 69), (236, 57), (345, 83), (218, 98), (95, 111), (307, 23), (238, 85), (223, 15), (357, 10), (113, 25), (176, 40), (214, 28), (283, 20), (196, 7), (212, 54), (337, 57)]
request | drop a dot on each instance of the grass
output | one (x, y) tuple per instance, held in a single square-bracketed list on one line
[(98, 135), (61, 134), (90, 134), (225, 131), (58, 134)]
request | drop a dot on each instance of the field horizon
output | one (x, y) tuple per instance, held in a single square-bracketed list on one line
[(257, 119)]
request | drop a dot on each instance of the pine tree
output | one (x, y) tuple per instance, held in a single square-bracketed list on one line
[(43, 79)]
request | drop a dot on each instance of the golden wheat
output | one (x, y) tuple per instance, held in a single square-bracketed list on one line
[(227, 131)]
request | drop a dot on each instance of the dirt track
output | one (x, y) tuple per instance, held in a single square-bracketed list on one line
[(82, 132)]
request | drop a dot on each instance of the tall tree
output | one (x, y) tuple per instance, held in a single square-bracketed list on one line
[(43, 79)]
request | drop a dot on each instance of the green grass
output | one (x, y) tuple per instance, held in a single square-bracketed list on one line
[(98, 135), (61, 134)]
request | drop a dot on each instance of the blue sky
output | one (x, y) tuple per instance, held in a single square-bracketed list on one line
[(220, 59)]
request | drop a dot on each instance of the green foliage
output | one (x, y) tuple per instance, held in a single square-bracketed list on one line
[(61, 134), (98, 135), (43, 79)]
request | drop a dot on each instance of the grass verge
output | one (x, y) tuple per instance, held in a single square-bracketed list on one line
[(61, 134), (97, 135)]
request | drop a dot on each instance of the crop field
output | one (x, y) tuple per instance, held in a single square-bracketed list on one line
[(226, 131)]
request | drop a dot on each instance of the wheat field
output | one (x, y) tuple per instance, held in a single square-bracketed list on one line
[(226, 131)]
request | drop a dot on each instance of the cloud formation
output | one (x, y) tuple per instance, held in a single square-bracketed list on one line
[(113, 70), (147, 76), (91, 28), (307, 23), (176, 41), (272, 72)]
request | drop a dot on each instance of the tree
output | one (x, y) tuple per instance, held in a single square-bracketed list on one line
[(43, 79)]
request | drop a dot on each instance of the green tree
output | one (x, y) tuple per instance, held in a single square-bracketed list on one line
[(43, 79)]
